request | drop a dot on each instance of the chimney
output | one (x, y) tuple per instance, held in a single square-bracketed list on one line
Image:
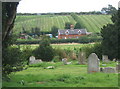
[(71, 26)]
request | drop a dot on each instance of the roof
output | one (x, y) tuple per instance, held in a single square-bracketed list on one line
[(72, 31)]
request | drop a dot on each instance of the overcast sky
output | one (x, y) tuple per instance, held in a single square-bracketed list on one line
[(44, 6)]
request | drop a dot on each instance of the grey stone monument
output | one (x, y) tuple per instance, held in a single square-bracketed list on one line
[(108, 70), (105, 58), (118, 67), (64, 60), (81, 58), (93, 63), (32, 60)]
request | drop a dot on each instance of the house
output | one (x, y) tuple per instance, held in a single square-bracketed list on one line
[(72, 33)]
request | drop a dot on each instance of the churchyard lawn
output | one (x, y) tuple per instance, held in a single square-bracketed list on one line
[(72, 75)]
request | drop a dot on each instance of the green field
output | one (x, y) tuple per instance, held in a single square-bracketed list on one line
[(61, 46), (72, 75), (93, 23)]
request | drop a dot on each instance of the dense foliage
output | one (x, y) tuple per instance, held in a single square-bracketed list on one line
[(110, 34), (54, 31), (44, 51)]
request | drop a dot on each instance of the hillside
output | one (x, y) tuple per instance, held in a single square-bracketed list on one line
[(93, 23)]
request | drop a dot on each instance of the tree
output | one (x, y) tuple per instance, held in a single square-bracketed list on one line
[(67, 25), (54, 31), (110, 34), (8, 18), (78, 26), (109, 10), (8, 57), (44, 51)]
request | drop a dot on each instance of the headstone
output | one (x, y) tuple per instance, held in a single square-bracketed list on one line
[(105, 58), (32, 60), (114, 59), (118, 67), (64, 60), (93, 63), (81, 58), (108, 70)]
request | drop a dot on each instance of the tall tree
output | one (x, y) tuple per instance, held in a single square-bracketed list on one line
[(111, 35), (54, 31), (8, 18), (109, 10), (8, 53)]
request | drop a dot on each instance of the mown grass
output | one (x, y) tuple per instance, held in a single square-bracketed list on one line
[(72, 75)]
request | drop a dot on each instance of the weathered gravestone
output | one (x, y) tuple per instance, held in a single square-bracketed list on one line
[(108, 69), (64, 60), (93, 63), (118, 67), (32, 60), (81, 58), (105, 58)]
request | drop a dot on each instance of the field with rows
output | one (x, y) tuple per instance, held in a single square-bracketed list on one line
[(93, 23)]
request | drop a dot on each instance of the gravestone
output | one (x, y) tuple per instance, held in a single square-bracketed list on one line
[(32, 60), (105, 58), (93, 63), (108, 70), (64, 60), (81, 58), (118, 67)]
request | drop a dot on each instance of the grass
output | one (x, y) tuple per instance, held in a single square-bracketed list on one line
[(93, 23), (72, 75), (61, 46)]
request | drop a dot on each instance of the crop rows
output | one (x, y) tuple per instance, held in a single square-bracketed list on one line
[(45, 23), (93, 23)]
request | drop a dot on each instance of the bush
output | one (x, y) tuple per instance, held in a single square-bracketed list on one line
[(97, 48), (11, 58), (26, 53), (44, 51)]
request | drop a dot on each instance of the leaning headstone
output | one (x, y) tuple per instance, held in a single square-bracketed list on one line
[(93, 63), (81, 58), (108, 70), (105, 58), (64, 60)]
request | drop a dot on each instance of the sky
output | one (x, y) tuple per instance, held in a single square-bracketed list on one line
[(50, 6)]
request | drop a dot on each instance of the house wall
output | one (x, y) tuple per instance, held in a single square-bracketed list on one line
[(69, 36)]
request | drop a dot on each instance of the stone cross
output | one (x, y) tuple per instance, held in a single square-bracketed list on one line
[(93, 63)]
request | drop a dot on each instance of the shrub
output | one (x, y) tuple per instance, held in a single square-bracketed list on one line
[(11, 58), (97, 48), (26, 53), (44, 51)]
